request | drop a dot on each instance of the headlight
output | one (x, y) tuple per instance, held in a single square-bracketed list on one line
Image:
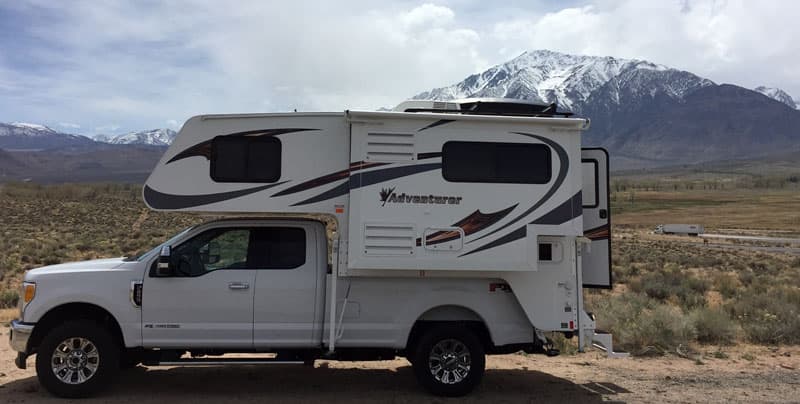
[(28, 293)]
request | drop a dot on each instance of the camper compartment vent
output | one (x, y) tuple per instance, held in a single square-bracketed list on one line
[(390, 146), (389, 239)]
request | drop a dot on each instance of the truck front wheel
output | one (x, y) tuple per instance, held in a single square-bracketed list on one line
[(77, 359), (449, 361)]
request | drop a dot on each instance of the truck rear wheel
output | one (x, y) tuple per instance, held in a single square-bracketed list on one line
[(77, 359), (449, 361)]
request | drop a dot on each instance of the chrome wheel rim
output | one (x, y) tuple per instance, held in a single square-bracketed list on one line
[(75, 360), (449, 361)]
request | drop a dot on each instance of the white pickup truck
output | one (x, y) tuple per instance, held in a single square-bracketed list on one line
[(443, 231), (254, 285)]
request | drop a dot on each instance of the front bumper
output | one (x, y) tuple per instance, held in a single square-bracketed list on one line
[(20, 333), (18, 339)]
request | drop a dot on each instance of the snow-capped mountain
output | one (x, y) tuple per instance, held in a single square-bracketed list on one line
[(777, 94), (645, 114), (154, 137), (569, 80), (21, 135)]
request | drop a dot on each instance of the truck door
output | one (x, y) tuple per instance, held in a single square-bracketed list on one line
[(207, 302), (596, 219), (286, 299)]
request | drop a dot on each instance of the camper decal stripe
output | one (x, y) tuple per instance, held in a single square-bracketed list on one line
[(565, 212), (562, 173), (431, 155), (327, 179), (437, 123), (204, 148), (339, 190), (598, 233), (377, 176), (508, 238), (160, 200), (369, 178), (471, 224)]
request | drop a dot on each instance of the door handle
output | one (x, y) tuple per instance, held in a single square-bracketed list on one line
[(238, 286)]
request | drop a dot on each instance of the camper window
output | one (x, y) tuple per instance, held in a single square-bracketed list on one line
[(521, 163), (245, 159)]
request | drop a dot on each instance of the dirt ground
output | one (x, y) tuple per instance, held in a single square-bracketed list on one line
[(748, 374)]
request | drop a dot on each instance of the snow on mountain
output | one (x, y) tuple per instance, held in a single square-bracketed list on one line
[(35, 127), (154, 137), (569, 80), (21, 135), (777, 94)]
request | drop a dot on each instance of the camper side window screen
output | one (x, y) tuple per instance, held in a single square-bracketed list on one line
[(245, 159), (520, 163)]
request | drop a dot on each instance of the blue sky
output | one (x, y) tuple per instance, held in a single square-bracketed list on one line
[(110, 67)]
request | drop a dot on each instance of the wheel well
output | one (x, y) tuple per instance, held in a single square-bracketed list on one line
[(74, 311), (450, 315)]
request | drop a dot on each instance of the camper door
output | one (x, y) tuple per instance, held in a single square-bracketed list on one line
[(596, 219)]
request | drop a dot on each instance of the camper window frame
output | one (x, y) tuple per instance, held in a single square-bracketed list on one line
[(248, 141), (548, 164)]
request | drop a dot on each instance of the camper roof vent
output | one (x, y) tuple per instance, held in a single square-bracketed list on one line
[(484, 106)]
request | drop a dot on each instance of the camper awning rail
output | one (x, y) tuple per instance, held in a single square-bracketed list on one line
[(576, 123)]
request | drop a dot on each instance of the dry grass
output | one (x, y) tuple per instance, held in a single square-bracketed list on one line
[(6, 315), (738, 208)]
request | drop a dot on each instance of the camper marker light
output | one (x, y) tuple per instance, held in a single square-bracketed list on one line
[(29, 291)]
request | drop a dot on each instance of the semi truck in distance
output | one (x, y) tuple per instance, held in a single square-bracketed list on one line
[(440, 232), (687, 229)]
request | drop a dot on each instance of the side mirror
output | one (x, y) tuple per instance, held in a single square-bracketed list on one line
[(163, 269)]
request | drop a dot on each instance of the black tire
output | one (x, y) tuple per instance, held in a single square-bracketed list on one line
[(450, 384), (107, 361)]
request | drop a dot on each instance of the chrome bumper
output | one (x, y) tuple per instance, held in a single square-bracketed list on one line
[(20, 333)]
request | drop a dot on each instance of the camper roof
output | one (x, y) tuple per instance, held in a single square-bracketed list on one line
[(483, 106)]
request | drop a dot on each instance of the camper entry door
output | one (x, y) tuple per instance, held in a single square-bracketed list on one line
[(596, 219)]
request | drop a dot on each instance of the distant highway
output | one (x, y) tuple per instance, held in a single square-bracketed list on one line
[(752, 238)]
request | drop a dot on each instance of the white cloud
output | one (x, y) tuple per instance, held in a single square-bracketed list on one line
[(69, 125), (142, 65), (107, 128)]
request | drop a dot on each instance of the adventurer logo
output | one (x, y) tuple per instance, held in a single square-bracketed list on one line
[(387, 195)]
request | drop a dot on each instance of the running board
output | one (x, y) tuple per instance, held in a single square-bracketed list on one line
[(223, 361), (604, 342)]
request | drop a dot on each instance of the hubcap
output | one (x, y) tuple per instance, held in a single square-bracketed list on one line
[(75, 360), (449, 361)]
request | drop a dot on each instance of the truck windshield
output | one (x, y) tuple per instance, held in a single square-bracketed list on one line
[(142, 255)]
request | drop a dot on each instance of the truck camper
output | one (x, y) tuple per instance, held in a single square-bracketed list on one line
[(439, 231)]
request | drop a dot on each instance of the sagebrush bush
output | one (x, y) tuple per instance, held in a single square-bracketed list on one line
[(768, 318), (713, 326), (8, 299), (642, 325), (673, 282)]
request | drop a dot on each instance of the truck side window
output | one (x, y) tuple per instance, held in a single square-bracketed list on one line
[(278, 248), (491, 162), (212, 250)]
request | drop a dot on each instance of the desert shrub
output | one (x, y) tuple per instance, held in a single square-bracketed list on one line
[(642, 325), (672, 282), (8, 299), (768, 318), (726, 284), (713, 326)]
